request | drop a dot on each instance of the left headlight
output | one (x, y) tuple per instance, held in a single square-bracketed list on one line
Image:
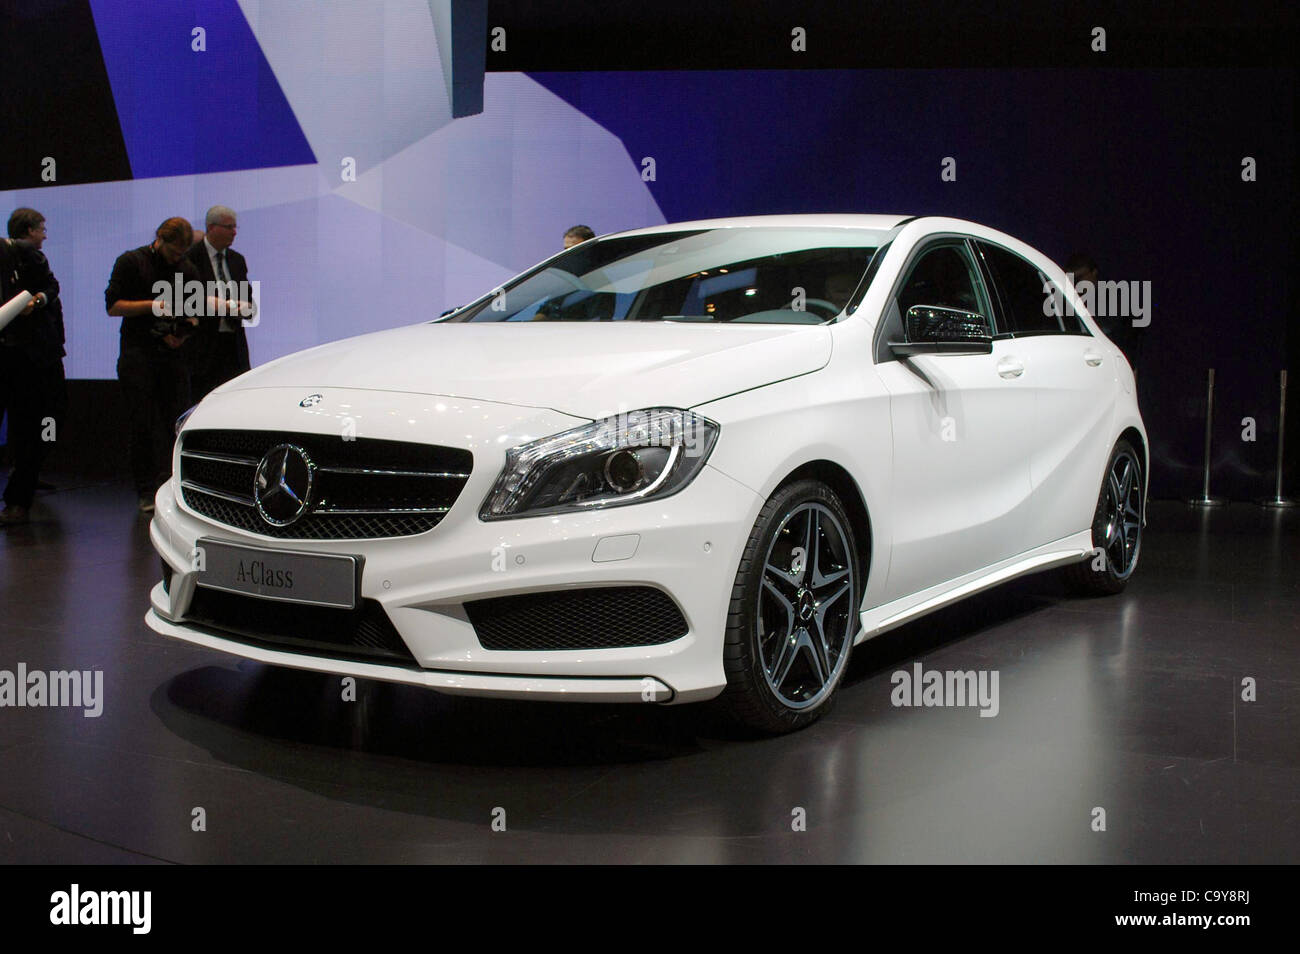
[(617, 460)]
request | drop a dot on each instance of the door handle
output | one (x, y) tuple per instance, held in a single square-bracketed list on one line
[(1092, 358), (1010, 368)]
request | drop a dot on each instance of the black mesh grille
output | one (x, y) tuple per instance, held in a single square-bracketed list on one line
[(428, 478), (603, 618), (364, 634), (232, 478)]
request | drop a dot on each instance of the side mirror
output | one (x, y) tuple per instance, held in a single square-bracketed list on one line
[(932, 329)]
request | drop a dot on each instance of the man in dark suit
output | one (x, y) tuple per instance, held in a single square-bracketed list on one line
[(31, 352), (220, 346)]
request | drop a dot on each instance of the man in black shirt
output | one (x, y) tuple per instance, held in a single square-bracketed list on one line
[(152, 364), (30, 347)]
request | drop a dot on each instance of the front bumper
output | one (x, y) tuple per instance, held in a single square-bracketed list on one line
[(687, 545)]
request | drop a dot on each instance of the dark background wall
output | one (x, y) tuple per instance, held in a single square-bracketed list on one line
[(1142, 169), (1139, 166)]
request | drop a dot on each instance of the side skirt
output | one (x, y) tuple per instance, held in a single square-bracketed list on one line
[(880, 619)]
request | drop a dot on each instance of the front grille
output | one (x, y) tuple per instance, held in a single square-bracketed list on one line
[(603, 618), (363, 488), (365, 633)]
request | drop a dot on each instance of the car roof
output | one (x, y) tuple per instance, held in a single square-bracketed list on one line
[(825, 220)]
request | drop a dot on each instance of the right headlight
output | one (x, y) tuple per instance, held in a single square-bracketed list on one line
[(618, 460)]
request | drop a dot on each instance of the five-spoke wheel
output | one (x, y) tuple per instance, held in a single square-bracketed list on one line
[(1116, 527), (794, 610)]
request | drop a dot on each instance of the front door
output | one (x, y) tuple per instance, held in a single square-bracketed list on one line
[(962, 430)]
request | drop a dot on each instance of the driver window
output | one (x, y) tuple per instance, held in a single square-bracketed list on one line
[(944, 276)]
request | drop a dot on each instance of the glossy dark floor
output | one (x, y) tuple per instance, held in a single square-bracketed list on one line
[(1131, 704)]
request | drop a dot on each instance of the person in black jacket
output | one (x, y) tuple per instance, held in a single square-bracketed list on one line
[(152, 365), (8, 287), (30, 349), (220, 346), (28, 227)]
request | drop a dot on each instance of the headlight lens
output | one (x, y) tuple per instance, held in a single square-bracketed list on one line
[(180, 421), (618, 460)]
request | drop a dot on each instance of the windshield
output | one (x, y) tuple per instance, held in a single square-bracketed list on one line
[(762, 275)]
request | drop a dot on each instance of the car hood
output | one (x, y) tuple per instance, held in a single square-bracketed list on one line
[(587, 369)]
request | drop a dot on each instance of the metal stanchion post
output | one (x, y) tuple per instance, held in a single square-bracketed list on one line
[(1205, 500), (1277, 500)]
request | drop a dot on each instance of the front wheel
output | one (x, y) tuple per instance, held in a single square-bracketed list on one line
[(1116, 528), (794, 611)]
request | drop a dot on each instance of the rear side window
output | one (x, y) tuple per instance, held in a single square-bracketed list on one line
[(1026, 308)]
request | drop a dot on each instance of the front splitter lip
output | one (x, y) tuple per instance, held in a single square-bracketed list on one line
[(505, 686)]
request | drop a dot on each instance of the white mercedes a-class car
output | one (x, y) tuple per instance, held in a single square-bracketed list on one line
[(690, 462)]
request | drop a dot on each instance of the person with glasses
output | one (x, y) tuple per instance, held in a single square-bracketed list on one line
[(28, 228), (31, 364), (220, 347)]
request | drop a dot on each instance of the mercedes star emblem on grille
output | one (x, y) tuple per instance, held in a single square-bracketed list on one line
[(283, 483)]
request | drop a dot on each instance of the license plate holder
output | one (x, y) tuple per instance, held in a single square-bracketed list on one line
[(286, 576)]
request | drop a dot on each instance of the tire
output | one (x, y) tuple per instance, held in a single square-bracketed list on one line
[(792, 620), (1116, 528)]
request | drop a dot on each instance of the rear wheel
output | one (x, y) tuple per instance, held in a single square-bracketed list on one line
[(794, 611), (1116, 528)]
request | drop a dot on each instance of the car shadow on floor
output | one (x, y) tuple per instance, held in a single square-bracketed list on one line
[(960, 621), (401, 748), (219, 707)]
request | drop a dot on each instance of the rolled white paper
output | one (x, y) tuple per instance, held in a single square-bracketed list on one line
[(13, 308)]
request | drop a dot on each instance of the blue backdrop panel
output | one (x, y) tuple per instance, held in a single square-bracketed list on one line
[(184, 111)]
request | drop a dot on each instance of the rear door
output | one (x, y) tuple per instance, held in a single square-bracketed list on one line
[(1071, 375)]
